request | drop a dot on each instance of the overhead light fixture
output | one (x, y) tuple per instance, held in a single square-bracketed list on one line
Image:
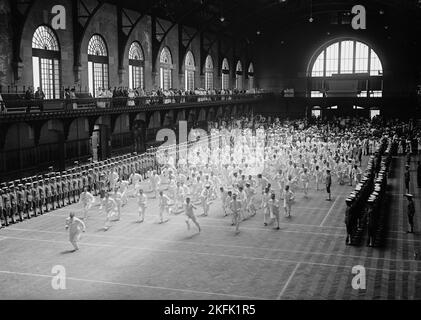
[(222, 19), (311, 12), (381, 12), (258, 32)]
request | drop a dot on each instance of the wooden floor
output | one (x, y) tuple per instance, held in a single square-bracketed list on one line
[(306, 259)]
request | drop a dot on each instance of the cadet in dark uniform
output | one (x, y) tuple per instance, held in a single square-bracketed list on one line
[(36, 198), (371, 221), (60, 198), (407, 177), (3, 218), (21, 196), (29, 199), (53, 188), (328, 185), (7, 206), (419, 174), (411, 212), (41, 192), (348, 221), (47, 194), (14, 204), (65, 190)]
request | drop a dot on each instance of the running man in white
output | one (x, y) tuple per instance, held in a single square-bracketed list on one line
[(288, 199), (190, 214), (305, 179), (155, 182), (205, 196), (110, 208), (164, 206), (87, 200), (142, 201), (75, 227), (274, 208), (235, 207)]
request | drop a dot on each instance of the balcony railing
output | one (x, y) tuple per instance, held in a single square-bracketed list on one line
[(12, 104)]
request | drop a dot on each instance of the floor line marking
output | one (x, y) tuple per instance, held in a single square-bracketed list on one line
[(133, 285), (214, 245), (288, 281), (329, 212), (214, 255), (216, 219)]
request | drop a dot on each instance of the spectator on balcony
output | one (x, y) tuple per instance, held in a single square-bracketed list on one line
[(72, 96), (39, 94), (132, 96), (101, 95), (29, 94), (67, 94), (2, 106)]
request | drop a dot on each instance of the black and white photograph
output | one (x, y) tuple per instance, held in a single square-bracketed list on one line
[(222, 152)]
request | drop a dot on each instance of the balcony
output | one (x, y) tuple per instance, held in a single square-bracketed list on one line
[(14, 108)]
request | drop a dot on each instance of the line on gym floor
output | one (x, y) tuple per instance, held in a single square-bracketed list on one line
[(288, 281), (133, 285), (216, 245), (213, 254), (329, 212), (208, 218)]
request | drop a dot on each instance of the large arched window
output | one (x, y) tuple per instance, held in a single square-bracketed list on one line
[(136, 66), (97, 64), (209, 73), (239, 76), (250, 74), (189, 71), (225, 74), (345, 58), (46, 62), (165, 69)]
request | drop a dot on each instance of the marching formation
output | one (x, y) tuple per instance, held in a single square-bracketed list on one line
[(245, 168)]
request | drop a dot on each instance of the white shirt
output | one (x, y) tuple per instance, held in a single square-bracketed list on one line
[(75, 225)]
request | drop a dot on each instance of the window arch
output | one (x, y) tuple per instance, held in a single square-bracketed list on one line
[(250, 74), (225, 74), (209, 73), (46, 62), (136, 66), (346, 57), (165, 60), (349, 57), (97, 64), (190, 68), (239, 76)]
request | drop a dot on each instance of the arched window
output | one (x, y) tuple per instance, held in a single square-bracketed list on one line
[(46, 62), (136, 66), (239, 76), (225, 74), (250, 74), (166, 69), (189, 71), (209, 73), (347, 57), (97, 64)]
